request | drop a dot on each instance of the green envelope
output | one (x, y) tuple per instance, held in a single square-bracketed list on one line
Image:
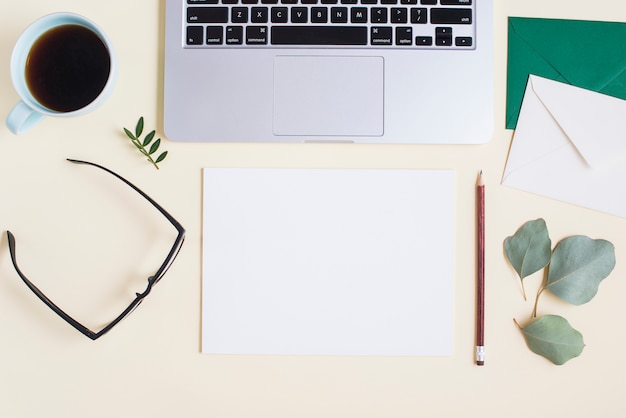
[(586, 54)]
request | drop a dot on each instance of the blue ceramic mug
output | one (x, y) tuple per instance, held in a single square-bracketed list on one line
[(62, 65)]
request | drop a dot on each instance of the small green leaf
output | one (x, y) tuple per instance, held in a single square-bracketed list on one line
[(155, 146), (139, 127), (148, 138), (161, 157), (529, 249), (552, 337), (129, 134), (141, 145), (578, 266)]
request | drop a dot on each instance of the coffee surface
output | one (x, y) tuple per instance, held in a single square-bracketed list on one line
[(67, 68)]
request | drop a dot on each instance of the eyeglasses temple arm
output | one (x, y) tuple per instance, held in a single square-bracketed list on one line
[(80, 327), (177, 225)]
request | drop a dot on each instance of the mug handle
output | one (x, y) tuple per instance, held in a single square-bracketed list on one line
[(22, 118)]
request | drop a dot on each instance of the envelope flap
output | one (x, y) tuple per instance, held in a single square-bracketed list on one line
[(587, 54), (594, 122)]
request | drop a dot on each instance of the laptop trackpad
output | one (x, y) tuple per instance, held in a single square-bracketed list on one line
[(328, 96)]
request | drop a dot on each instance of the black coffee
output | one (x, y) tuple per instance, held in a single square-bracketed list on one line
[(67, 68)]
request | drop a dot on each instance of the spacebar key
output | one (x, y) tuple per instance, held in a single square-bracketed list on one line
[(319, 35)]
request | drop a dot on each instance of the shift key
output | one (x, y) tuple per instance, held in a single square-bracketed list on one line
[(207, 14), (450, 16), (456, 2)]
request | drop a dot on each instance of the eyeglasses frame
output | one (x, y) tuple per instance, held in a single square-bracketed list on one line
[(139, 297)]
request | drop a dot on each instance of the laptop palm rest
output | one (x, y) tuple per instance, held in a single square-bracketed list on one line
[(328, 96)]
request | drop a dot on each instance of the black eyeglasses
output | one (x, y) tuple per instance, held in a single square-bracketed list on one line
[(139, 297)]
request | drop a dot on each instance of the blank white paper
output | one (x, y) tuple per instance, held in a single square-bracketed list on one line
[(328, 261)]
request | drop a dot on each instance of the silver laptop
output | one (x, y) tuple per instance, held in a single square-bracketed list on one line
[(367, 71)]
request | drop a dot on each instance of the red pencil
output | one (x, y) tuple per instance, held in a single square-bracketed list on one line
[(480, 282)]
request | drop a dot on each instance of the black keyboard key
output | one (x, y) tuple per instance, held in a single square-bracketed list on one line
[(379, 15), (234, 35), (207, 14), (381, 35), (195, 35), (399, 15), (239, 15), (404, 36), (214, 35), (419, 15), (440, 16), (463, 41), (319, 15), (299, 15), (456, 2), (201, 1), (339, 14), (319, 35), (259, 14), (423, 40), (256, 35), (280, 15), (443, 36), (429, 1), (358, 14)]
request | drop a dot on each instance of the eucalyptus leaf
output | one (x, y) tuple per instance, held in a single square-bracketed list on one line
[(552, 337), (529, 249), (161, 157), (578, 265), (155, 146), (148, 138), (139, 127), (129, 134)]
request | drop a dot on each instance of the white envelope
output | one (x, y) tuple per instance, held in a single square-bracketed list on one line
[(570, 145)]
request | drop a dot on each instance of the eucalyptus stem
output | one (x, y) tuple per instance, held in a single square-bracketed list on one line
[(534, 313), (142, 145)]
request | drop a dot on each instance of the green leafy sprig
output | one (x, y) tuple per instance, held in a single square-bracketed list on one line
[(147, 141), (575, 269)]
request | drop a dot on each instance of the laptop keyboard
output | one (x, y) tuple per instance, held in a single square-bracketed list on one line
[(400, 24)]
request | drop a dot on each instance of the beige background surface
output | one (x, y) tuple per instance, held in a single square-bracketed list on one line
[(69, 225)]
